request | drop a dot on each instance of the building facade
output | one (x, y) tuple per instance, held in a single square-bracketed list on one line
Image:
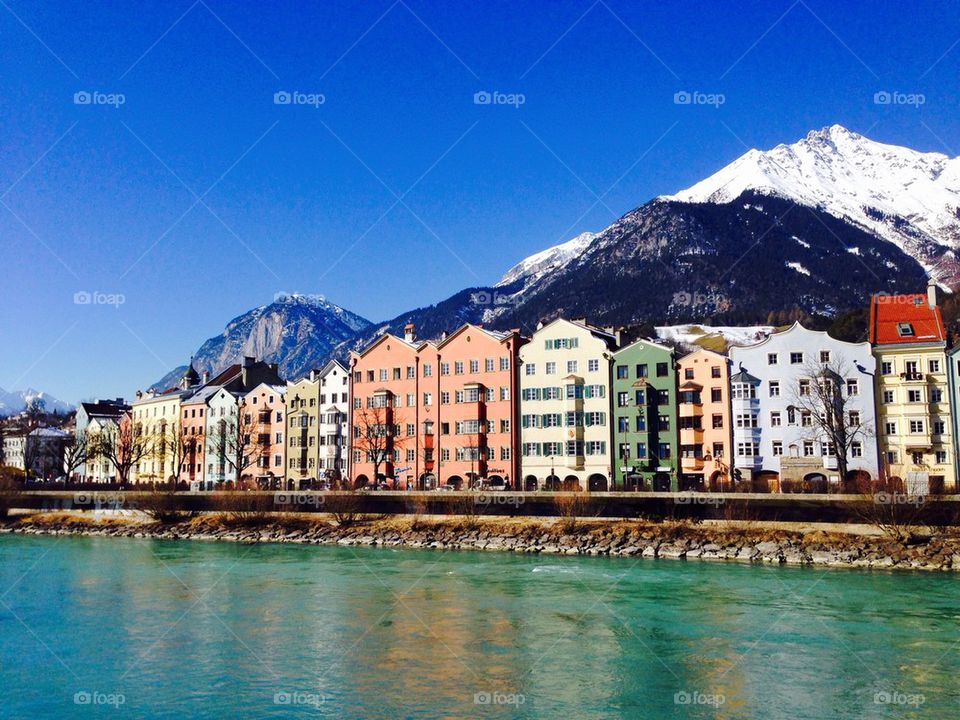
[(917, 444), (157, 416), (263, 440), (645, 425), (800, 399), (703, 409), (92, 419), (566, 436), (317, 427)]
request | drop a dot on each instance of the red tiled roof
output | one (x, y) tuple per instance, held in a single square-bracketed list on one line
[(229, 374), (887, 312)]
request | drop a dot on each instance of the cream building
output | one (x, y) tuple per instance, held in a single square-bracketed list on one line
[(913, 401), (157, 416), (566, 436), (317, 427)]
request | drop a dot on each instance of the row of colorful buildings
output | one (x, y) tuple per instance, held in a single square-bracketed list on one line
[(570, 406)]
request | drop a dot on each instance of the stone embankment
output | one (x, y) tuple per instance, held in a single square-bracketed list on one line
[(673, 540)]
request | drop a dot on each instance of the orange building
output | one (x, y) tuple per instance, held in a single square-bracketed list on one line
[(425, 413), (704, 418), (478, 435)]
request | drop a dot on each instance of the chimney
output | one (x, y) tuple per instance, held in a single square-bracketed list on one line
[(139, 394), (205, 378), (932, 293), (247, 361), (410, 332), (443, 335), (313, 375)]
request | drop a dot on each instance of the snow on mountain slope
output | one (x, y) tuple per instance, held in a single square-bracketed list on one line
[(544, 261), (907, 197), (16, 401), (695, 335)]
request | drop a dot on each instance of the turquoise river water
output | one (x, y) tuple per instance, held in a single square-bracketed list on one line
[(113, 628)]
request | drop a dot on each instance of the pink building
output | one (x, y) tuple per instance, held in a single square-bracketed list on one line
[(704, 418), (263, 419)]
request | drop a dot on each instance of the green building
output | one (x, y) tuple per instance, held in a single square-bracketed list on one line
[(645, 417)]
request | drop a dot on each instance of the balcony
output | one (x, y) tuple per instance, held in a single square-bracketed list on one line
[(912, 376)]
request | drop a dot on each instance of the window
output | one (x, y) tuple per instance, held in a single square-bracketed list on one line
[(886, 368), (427, 370), (530, 394), (665, 452), (574, 391), (529, 369), (663, 422), (916, 458), (488, 365), (808, 448), (504, 363), (688, 373), (642, 370), (575, 448), (796, 358), (716, 395), (914, 396), (748, 449), (939, 427), (411, 372), (662, 369), (916, 426), (383, 374), (622, 372), (774, 388), (892, 457), (888, 397), (571, 366), (936, 395), (593, 365), (905, 329), (444, 368), (474, 366), (428, 398), (910, 368), (747, 420), (641, 451), (890, 428), (595, 447), (623, 424), (715, 372), (551, 368), (933, 366), (717, 422), (772, 359), (853, 386), (718, 450), (458, 367), (941, 457), (444, 398), (777, 448), (623, 399), (641, 424), (775, 419), (744, 391), (804, 387), (854, 418), (824, 356), (806, 419)]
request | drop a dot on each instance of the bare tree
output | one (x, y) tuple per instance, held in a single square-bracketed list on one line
[(170, 445), (824, 400), (233, 446), (33, 419), (377, 435), (75, 452), (123, 446)]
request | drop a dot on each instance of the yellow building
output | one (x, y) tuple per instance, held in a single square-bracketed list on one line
[(316, 434), (914, 429)]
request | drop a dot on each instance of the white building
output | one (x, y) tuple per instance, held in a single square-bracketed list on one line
[(780, 434)]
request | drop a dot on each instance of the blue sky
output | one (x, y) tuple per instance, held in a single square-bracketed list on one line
[(198, 197)]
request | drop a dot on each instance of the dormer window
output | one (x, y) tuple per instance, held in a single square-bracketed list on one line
[(905, 329)]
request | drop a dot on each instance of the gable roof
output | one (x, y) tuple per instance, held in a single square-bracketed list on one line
[(104, 408), (889, 312)]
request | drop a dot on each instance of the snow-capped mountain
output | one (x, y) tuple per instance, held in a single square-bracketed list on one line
[(538, 264), (907, 197), (16, 401), (298, 332)]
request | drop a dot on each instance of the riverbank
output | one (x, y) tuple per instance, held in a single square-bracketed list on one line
[(731, 541)]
